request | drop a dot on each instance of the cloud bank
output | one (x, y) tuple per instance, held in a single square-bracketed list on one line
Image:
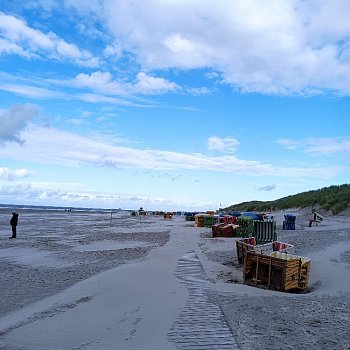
[(274, 47), (49, 145), (269, 47), (15, 120), (16, 37)]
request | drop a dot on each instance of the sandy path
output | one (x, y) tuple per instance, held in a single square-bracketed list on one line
[(129, 307), (133, 298)]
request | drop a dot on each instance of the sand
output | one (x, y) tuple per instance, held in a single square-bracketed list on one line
[(77, 280)]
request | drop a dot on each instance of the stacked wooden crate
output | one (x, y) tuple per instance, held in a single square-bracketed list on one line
[(278, 271), (222, 230), (228, 219), (250, 244), (215, 229), (205, 220), (199, 220), (243, 245)]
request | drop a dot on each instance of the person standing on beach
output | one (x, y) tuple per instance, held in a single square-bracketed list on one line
[(13, 223)]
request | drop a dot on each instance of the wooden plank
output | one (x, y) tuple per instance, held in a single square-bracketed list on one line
[(269, 279), (257, 269), (245, 262)]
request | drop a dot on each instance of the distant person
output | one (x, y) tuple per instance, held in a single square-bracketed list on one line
[(313, 219), (13, 223)]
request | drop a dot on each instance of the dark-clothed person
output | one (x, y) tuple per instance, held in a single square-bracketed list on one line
[(13, 223)]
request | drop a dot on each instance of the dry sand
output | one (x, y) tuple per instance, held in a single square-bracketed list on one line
[(76, 280)]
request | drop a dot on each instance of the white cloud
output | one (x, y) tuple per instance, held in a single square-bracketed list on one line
[(46, 195), (76, 121), (45, 145), (289, 144), (34, 195), (21, 190), (146, 84), (327, 146), (112, 51), (199, 91), (98, 81), (104, 84), (103, 88), (267, 188), (266, 46), (96, 98), (7, 48), (30, 91), (320, 146), (16, 37), (227, 144), (11, 175), (15, 120), (274, 47)]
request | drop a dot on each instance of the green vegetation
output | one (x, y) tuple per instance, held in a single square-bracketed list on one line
[(334, 199)]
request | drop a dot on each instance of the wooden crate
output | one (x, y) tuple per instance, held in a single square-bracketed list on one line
[(278, 271), (199, 220), (222, 230), (250, 243), (243, 245), (215, 229)]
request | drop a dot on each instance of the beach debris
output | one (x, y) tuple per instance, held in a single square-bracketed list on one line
[(250, 244), (278, 271)]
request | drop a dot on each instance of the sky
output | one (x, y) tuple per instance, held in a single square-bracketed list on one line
[(172, 104)]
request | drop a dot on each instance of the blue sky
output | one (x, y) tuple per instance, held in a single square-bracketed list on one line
[(172, 104)]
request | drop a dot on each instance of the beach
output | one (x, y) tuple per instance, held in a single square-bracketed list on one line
[(89, 280)]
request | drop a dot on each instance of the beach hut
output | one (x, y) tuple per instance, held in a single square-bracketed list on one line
[(265, 231), (246, 226), (289, 222), (190, 216)]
